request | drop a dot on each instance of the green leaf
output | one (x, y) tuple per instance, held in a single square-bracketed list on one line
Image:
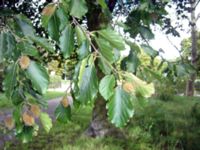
[(160, 65), (63, 114), (46, 121), (105, 68), (83, 50), (38, 76), (3, 45), (120, 107), (54, 20), (24, 25), (6, 12), (81, 37), (63, 17), (153, 74), (134, 47), (149, 50), (10, 80), (106, 86), (11, 45), (17, 118), (26, 134), (17, 96), (7, 45), (83, 43), (53, 27), (131, 62), (47, 13), (181, 70), (87, 81), (44, 43), (146, 32), (27, 49), (123, 25), (78, 8), (106, 50), (117, 55), (102, 3), (67, 41), (113, 38)]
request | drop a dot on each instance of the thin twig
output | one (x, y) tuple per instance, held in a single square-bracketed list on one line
[(93, 46), (175, 47), (196, 4)]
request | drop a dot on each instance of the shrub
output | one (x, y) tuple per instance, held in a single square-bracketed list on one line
[(167, 125), (197, 85), (164, 92)]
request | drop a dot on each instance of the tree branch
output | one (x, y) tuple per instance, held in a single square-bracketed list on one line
[(196, 4)]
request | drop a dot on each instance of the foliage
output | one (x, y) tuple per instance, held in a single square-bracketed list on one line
[(186, 46), (197, 85), (157, 125), (160, 125), (97, 47), (6, 103)]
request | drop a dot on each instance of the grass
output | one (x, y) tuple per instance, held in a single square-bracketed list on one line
[(6, 103), (52, 95), (170, 125), (156, 125), (69, 137)]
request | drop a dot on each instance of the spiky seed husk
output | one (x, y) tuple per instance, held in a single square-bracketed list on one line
[(128, 87), (9, 122), (24, 62), (65, 101), (28, 119), (35, 109)]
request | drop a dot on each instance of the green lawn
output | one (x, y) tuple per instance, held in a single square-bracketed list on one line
[(5, 103), (156, 125)]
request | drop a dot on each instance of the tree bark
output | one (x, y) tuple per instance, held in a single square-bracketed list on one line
[(190, 82), (1, 78), (99, 125)]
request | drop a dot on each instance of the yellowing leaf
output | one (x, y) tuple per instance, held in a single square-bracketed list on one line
[(35, 109), (137, 86), (46, 121), (28, 119), (49, 10), (47, 14), (9, 123), (24, 62)]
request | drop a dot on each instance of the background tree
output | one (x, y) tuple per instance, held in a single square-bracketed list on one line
[(186, 11), (190, 83), (186, 47)]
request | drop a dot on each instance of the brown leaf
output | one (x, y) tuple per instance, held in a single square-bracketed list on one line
[(24, 62), (28, 119), (9, 123), (35, 109), (49, 10)]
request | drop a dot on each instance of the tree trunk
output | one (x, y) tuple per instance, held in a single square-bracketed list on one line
[(190, 82), (1, 78), (99, 125)]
